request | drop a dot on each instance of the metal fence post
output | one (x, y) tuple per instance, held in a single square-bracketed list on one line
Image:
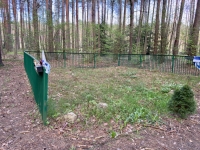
[(64, 58), (118, 59), (94, 61), (172, 63), (44, 98)]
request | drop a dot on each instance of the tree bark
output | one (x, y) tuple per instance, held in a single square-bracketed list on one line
[(124, 20), (50, 26), (120, 14), (35, 26), (156, 28), (105, 11), (173, 27), (83, 25), (68, 27), (16, 28), (63, 26), (73, 42), (139, 26), (94, 24), (176, 43), (22, 23), (30, 44), (1, 48), (193, 42), (77, 28), (99, 43), (163, 29), (147, 22), (112, 12), (8, 40), (131, 26)]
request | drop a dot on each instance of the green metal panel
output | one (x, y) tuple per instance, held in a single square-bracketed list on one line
[(39, 84)]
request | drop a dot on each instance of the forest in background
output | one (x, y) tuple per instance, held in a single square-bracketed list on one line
[(100, 26)]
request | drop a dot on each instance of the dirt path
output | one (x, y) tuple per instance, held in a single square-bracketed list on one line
[(18, 127), (22, 129)]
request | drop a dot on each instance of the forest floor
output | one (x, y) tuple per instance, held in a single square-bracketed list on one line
[(22, 129)]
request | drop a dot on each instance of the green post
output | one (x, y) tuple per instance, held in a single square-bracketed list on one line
[(118, 59), (172, 63), (64, 59), (44, 97), (94, 61), (140, 60)]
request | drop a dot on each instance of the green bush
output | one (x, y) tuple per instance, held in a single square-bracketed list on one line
[(182, 102)]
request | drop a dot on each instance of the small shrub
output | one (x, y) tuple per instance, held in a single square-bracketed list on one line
[(182, 102)]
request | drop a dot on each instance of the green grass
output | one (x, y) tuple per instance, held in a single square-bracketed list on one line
[(132, 95)]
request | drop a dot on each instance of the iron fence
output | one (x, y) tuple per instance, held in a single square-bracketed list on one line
[(164, 63)]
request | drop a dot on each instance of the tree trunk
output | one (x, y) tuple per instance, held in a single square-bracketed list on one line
[(163, 29), (176, 43), (99, 45), (145, 38), (83, 25), (93, 24), (105, 11), (1, 49), (50, 26), (120, 15), (22, 23), (63, 26), (156, 28), (131, 26), (152, 22), (73, 42), (124, 20), (139, 26), (173, 26), (77, 28), (35, 26), (16, 28), (68, 27), (30, 44), (56, 36), (8, 39), (112, 12), (193, 42)]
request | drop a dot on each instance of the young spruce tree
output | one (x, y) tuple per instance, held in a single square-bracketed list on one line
[(182, 102)]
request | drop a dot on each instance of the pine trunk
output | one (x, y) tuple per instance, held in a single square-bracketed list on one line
[(131, 26), (77, 28), (68, 27), (176, 43), (163, 29), (35, 27), (156, 28), (63, 26), (93, 24), (139, 26), (1, 49), (22, 23), (193, 42)]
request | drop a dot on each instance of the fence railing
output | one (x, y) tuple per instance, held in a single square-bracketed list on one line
[(39, 84), (163, 63)]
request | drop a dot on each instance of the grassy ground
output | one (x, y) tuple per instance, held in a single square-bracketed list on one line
[(132, 95)]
